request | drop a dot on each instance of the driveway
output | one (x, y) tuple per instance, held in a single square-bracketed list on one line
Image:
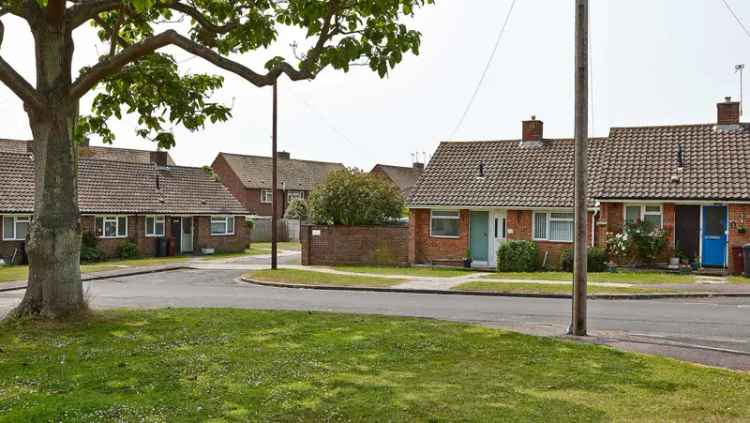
[(711, 331)]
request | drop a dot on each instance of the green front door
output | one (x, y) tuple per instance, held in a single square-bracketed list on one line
[(478, 237)]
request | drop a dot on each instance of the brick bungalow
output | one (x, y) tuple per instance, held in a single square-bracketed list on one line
[(112, 154), (131, 200), (692, 180), (405, 178), (475, 195), (248, 178)]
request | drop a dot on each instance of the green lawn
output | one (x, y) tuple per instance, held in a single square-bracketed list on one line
[(532, 288), (407, 271), (739, 279), (16, 273), (304, 277), (238, 365), (629, 277)]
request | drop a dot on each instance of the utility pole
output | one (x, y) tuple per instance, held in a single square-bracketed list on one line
[(274, 182), (578, 324)]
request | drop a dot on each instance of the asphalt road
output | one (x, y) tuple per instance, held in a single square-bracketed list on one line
[(711, 331)]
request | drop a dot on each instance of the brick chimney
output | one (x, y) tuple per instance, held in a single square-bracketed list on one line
[(728, 112), (283, 155), (533, 130), (159, 158)]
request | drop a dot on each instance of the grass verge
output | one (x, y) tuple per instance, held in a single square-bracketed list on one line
[(406, 271), (20, 273), (238, 365), (535, 288), (739, 279), (305, 277), (647, 278)]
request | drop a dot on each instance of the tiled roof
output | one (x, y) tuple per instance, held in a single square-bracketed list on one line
[(516, 174), (92, 152), (255, 171), (120, 187), (405, 178), (641, 163)]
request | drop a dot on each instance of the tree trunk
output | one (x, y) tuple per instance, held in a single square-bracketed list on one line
[(54, 240)]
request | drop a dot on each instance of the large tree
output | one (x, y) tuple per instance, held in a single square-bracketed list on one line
[(135, 76)]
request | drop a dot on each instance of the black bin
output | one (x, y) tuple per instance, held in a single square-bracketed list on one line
[(161, 247), (746, 249)]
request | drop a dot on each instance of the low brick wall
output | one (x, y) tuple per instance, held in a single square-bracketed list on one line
[(365, 245)]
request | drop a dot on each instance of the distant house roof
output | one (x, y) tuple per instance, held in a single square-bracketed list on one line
[(93, 152), (256, 171), (516, 174), (642, 163), (121, 187), (405, 178)]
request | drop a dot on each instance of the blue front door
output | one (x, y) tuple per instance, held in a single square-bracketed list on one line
[(714, 236), (479, 236)]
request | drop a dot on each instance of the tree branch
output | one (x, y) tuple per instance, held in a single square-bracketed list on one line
[(88, 9), (55, 11), (201, 19), (16, 83), (111, 65)]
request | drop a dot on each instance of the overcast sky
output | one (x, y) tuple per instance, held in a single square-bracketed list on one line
[(654, 62)]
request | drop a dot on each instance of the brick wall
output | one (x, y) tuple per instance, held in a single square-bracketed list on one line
[(367, 245), (739, 216), (223, 244), (424, 249)]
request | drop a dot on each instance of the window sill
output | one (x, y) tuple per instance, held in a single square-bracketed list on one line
[(232, 234), (13, 240), (112, 237), (155, 236), (445, 236), (552, 241)]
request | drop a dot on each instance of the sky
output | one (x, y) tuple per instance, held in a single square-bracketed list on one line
[(653, 62)]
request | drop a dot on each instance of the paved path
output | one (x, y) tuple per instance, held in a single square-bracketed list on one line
[(704, 331)]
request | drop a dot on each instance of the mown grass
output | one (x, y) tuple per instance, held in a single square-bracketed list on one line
[(535, 288), (739, 279), (21, 273), (652, 278), (406, 271), (234, 365), (305, 277)]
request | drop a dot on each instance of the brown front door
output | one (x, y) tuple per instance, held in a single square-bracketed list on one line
[(687, 230), (177, 233)]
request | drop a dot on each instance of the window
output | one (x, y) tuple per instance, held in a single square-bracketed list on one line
[(155, 226), (500, 228), (266, 196), (553, 226), (15, 228), (222, 225), (646, 213), (444, 224), (293, 195), (112, 226)]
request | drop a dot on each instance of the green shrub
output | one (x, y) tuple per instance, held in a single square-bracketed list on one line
[(89, 251), (296, 210), (518, 256), (596, 260), (352, 197), (646, 240), (127, 250)]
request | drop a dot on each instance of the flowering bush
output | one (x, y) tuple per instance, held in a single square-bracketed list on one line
[(641, 241), (618, 247)]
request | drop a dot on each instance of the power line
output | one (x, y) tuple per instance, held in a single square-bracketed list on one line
[(486, 69), (737, 18)]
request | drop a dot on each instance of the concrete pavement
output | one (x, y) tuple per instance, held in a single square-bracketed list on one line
[(709, 331)]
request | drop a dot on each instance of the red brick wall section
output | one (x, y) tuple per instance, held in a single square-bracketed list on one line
[(222, 244), (357, 245), (739, 216), (427, 249)]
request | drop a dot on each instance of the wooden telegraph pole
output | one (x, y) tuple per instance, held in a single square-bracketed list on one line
[(274, 182), (578, 324)]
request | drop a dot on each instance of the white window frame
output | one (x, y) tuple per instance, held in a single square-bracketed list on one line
[(291, 195), (157, 219), (547, 219), (263, 195), (457, 217), (16, 220), (110, 219), (226, 225), (644, 213)]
